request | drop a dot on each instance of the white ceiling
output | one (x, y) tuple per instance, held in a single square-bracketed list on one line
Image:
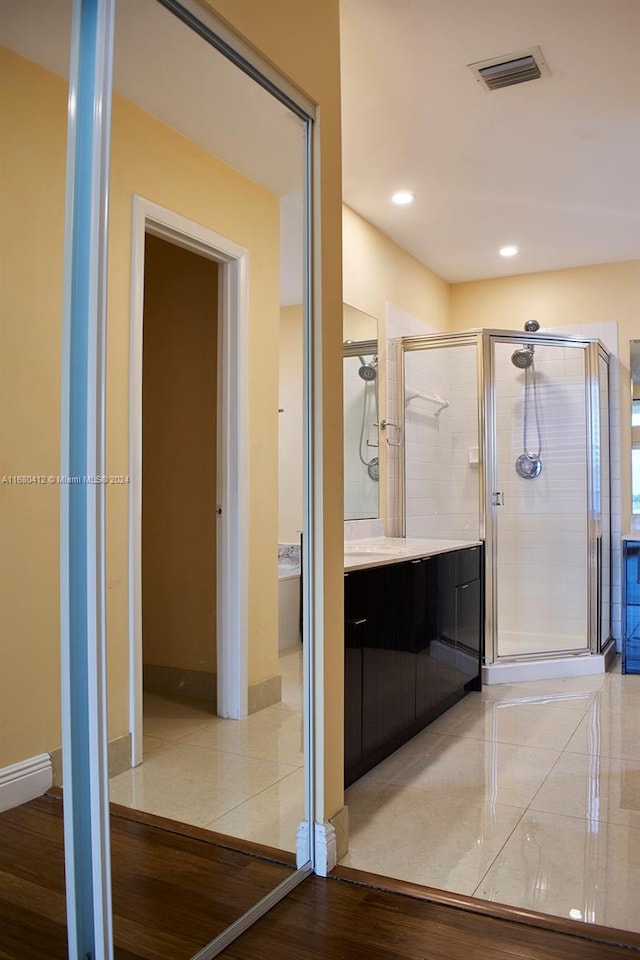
[(552, 166)]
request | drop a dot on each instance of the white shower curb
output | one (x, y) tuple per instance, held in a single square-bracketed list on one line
[(552, 669)]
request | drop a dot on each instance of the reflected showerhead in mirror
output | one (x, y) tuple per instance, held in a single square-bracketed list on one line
[(369, 369)]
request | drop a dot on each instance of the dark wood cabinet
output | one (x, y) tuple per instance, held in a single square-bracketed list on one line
[(459, 622), (356, 626), (413, 646), (388, 691)]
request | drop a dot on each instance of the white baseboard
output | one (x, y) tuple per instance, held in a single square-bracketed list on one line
[(326, 850), (553, 669), (24, 781)]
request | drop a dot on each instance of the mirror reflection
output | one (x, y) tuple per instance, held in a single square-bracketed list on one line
[(360, 385), (206, 169)]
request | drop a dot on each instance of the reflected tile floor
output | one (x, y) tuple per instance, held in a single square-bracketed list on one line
[(243, 778), (526, 794)]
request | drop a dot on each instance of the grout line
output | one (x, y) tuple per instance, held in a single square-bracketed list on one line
[(560, 755), (482, 878), (253, 797), (604, 756), (507, 743), (588, 703), (571, 816)]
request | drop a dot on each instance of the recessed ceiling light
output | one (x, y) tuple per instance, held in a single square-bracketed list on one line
[(508, 251), (403, 197)]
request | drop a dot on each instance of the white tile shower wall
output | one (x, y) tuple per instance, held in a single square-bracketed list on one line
[(361, 529), (542, 527), (463, 425), (608, 333), (397, 323), (360, 491), (441, 488), (427, 445)]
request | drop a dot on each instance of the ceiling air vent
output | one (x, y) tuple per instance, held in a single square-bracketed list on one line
[(506, 71)]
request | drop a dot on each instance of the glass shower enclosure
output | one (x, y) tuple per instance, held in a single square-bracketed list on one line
[(505, 438)]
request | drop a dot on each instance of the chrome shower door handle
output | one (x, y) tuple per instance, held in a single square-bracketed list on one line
[(384, 424), (497, 498)]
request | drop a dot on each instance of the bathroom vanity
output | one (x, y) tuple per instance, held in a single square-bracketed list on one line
[(414, 632)]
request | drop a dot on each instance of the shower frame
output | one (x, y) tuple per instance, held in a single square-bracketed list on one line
[(484, 339)]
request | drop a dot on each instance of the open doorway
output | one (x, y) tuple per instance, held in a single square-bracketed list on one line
[(179, 472), (188, 507)]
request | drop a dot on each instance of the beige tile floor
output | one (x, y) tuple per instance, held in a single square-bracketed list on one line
[(239, 777), (527, 794)]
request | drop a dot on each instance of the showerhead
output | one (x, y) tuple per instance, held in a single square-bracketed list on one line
[(368, 371), (532, 326), (522, 358)]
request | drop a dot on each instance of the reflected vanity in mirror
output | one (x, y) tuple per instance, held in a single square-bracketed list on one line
[(634, 363), (360, 385)]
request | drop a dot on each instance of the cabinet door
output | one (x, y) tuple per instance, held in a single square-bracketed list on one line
[(388, 659), (468, 564), (468, 629), (358, 620), (447, 678), (424, 633)]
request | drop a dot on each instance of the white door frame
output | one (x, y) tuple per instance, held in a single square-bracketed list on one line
[(232, 456)]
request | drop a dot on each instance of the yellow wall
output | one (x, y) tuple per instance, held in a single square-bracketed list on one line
[(153, 161), (302, 39), (599, 294), (377, 270), (32, 181), (290, 436), (179, 398), (357, 325)]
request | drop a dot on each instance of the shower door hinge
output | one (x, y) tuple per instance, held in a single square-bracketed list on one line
[(497, 498)]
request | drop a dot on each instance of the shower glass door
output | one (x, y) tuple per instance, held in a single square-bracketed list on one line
[(540, 498)]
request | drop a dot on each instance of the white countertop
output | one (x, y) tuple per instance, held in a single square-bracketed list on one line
[(378, 551)]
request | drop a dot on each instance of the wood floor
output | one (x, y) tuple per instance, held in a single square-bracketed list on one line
[(334, 920), (173, 892)]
